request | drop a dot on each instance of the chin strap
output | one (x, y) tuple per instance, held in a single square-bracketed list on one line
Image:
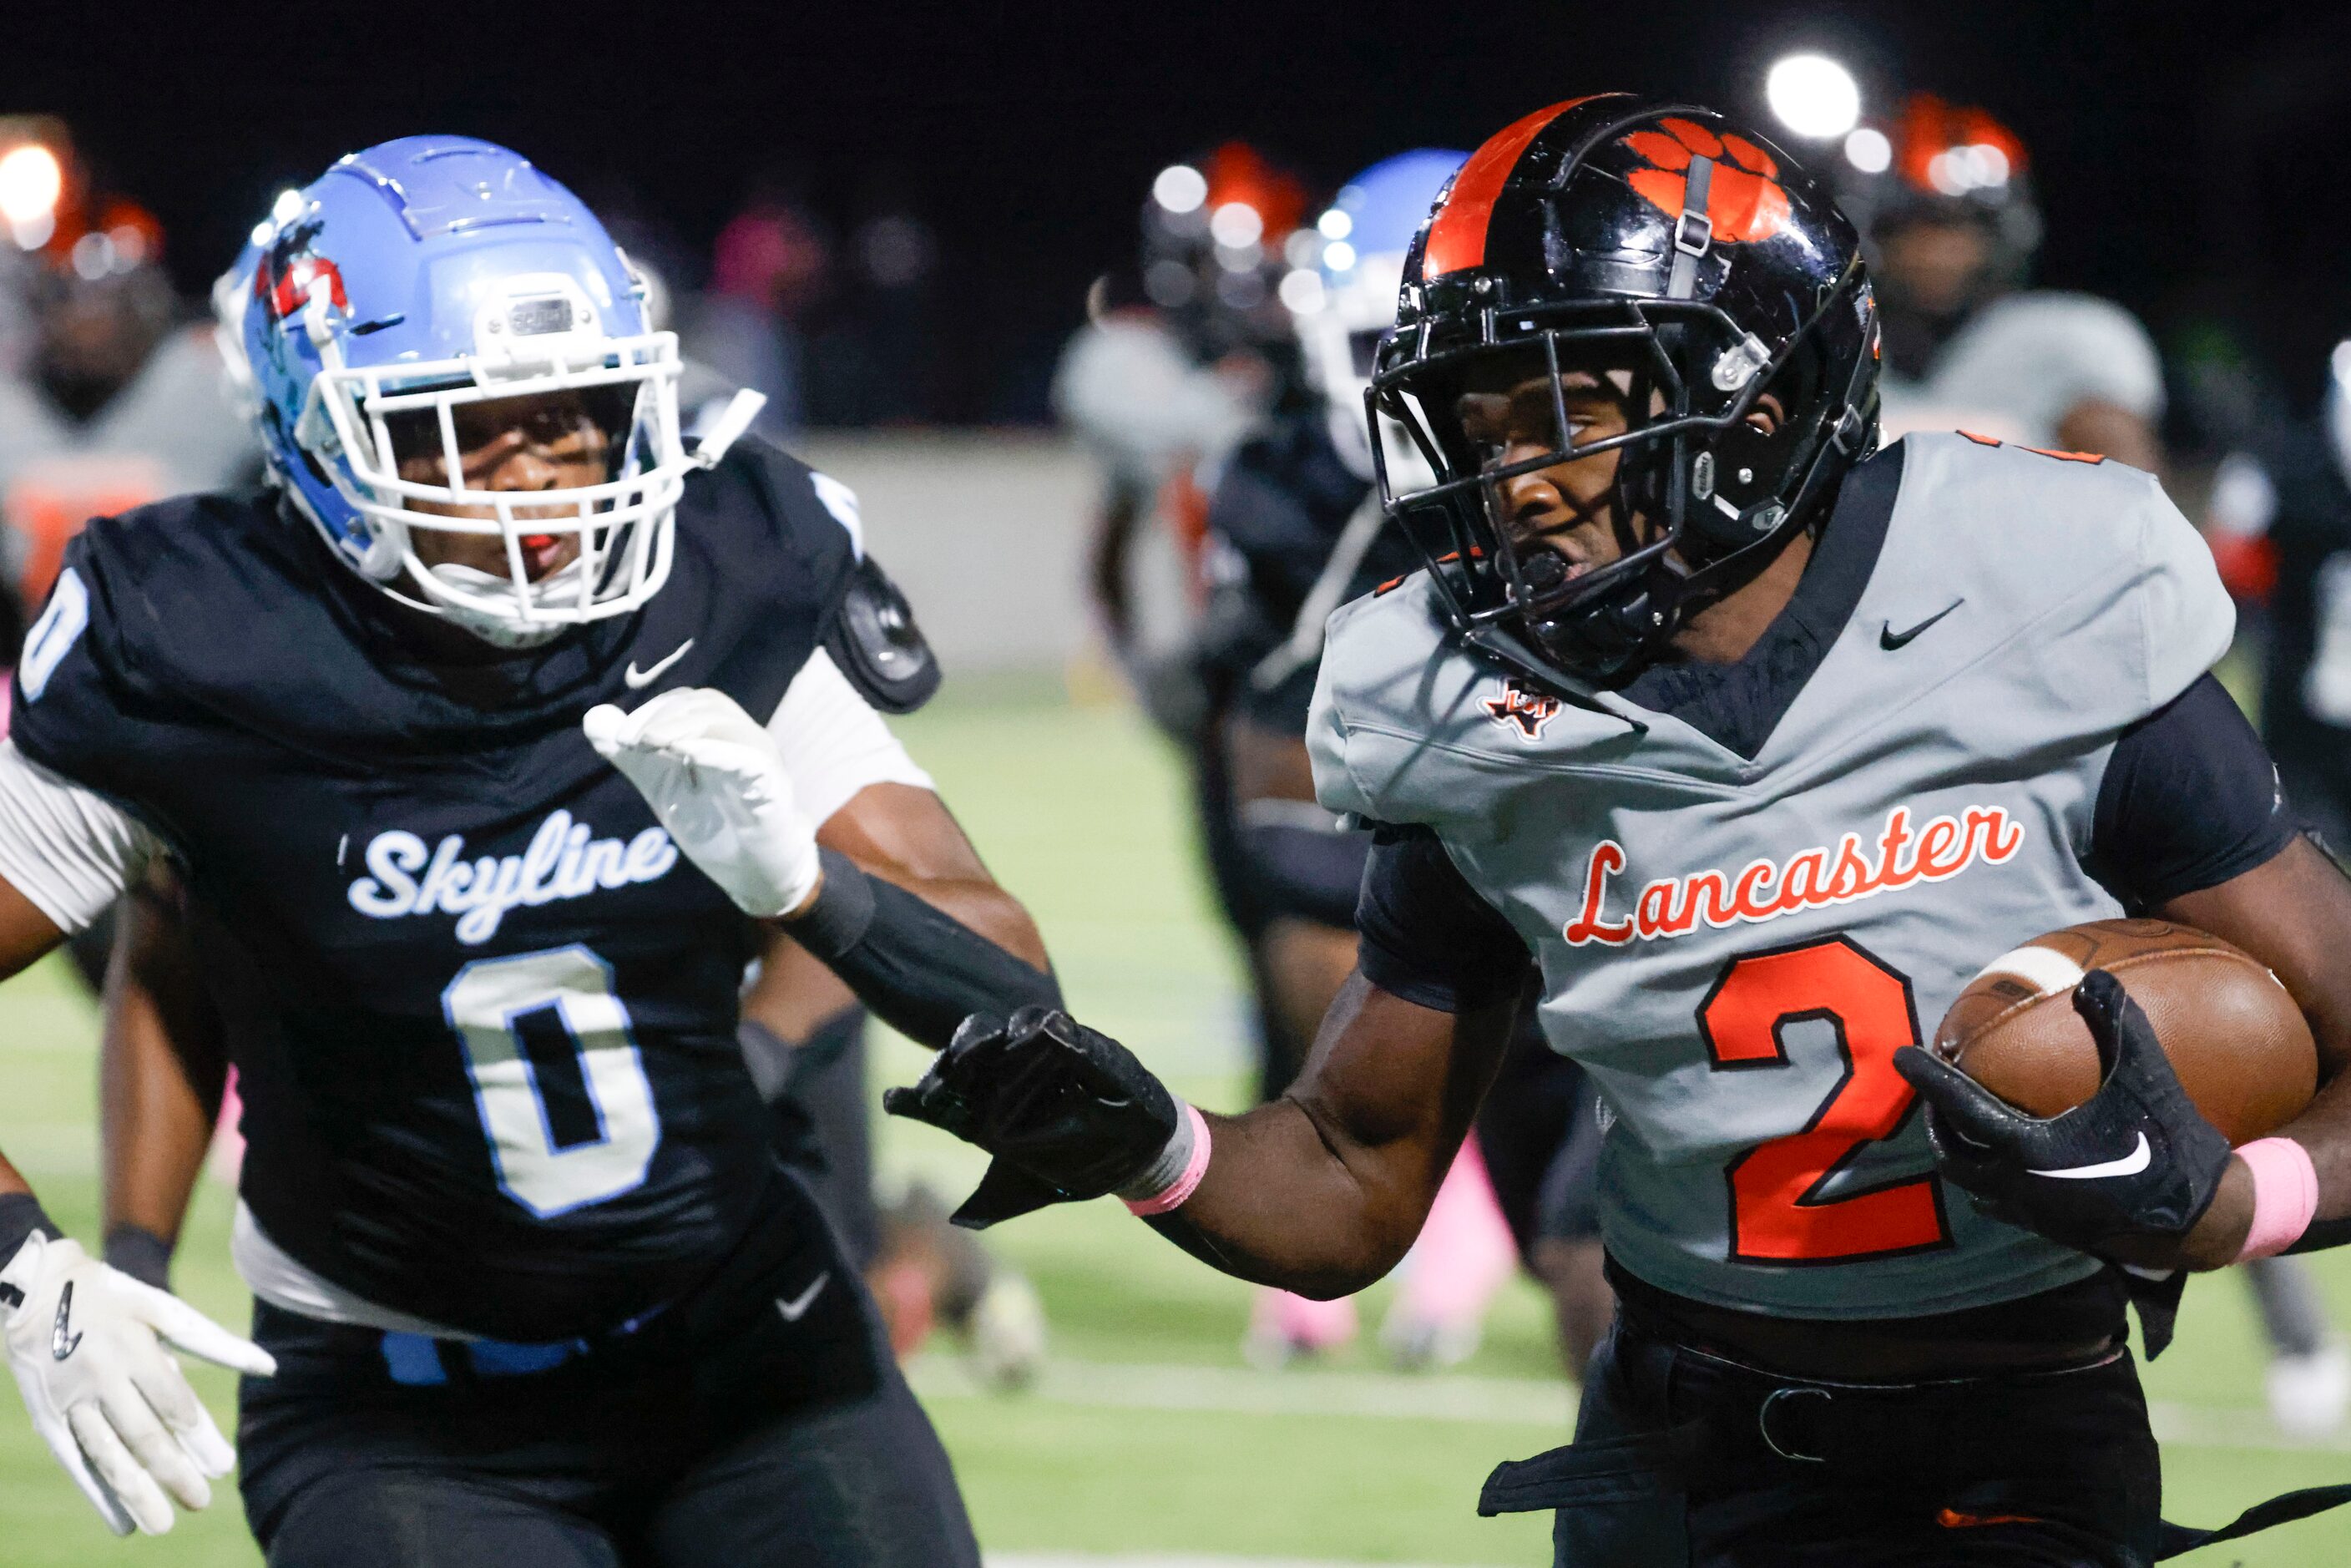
[(1693, 231), (732, 422)]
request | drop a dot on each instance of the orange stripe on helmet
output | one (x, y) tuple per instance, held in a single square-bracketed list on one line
[(1952, 1519), (1457, 239)]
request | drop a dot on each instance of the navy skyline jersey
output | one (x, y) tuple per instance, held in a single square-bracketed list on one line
[(482, 1011), (1283, 501)]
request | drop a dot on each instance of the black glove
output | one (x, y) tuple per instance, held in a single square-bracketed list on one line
[(1066, 1111), (2134, 1163)]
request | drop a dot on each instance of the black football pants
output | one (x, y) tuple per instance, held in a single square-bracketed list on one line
[(1682, 1461), (760, 1423)]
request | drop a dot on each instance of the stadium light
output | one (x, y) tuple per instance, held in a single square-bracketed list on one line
[(1236, 224), (31, 181), (1869, 151), (1813, 96), (1180, 188)]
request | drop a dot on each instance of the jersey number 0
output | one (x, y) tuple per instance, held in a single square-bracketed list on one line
[(486, 1004), (1779, 1213)]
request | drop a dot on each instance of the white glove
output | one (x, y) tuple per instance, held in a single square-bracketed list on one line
[(714, 777), (87, 1347)]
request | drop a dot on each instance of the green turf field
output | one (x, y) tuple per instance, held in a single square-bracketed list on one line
[(1148, 1441)]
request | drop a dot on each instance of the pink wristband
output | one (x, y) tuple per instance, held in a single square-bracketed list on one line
[(1173, 1196), (2285, 1194)]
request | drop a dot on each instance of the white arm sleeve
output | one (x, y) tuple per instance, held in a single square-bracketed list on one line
[(69, 851), (833, 743)]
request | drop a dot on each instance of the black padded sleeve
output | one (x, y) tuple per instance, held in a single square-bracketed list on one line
[(21, 1216), (1426, 935), (140, 1253), (922, 971), (1305, 870), (2189, 800)]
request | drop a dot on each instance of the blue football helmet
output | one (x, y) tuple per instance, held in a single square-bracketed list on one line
[(423, 275), (1366, 231)]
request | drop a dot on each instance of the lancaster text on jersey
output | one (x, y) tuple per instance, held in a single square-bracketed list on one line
[(1810, 878)]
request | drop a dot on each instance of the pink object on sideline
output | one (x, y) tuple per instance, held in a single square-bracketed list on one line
[(228, 1142), (2285, 1194), (1304, 1323), (1465, 1253)]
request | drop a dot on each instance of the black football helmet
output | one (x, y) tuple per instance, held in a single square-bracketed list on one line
[(1691, 260)]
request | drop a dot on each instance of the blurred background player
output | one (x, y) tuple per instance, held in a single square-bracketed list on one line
[(1944, 200), (1172, 366), (113, 391), (116, 397), (767, 268), (1175, 365), (1295, 530)]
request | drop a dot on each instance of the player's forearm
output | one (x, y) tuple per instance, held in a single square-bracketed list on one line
[(2325, 1131), (982, 907), (1323, 1191), (27, 935), (1282, 1205), (156, 1122), (162, 1069), (20, 1215), (919, 969), (2291, 913)]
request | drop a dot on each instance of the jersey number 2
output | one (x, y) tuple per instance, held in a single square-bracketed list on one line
[(572, 989), (1778, 1214)]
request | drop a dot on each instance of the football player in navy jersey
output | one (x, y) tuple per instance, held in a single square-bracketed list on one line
[(1762, 743), (531, 1286)]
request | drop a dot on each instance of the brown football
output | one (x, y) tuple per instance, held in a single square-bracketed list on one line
[(2240, 1045)]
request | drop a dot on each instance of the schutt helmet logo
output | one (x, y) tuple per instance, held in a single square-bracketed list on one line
[(1521, 709), (1744, 202)]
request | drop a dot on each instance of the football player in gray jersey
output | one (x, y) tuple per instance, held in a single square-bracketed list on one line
[(1762, 745), (1943, 197)]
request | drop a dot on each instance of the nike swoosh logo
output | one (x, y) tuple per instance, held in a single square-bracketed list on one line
[(797, 1308), (636, 677), (2131, 1164), (1890, 639), (61, 1342)]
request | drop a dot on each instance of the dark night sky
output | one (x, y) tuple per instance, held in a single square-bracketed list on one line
[(2181, 149)]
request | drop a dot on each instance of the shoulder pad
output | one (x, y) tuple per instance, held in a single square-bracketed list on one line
[(875, 640)]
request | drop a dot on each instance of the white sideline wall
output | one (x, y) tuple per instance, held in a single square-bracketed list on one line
[(986, 531)]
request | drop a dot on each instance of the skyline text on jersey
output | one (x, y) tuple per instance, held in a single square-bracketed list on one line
[(1810, 878), (565, 859)]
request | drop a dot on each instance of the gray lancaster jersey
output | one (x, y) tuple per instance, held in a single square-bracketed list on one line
[(1735, 950)]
